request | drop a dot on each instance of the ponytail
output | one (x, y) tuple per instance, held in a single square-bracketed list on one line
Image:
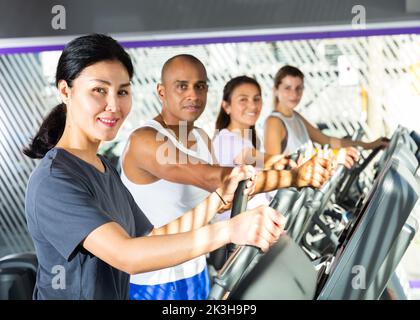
[(49, 133), (223, 120)]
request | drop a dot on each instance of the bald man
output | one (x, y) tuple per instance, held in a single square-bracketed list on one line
[(169, 167)]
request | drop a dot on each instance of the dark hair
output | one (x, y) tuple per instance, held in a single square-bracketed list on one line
[(76, 56), (283, 73), (223, 119)]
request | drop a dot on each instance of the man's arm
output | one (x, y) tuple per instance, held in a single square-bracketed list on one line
[(312, 173), (148, 153), (193, 219), (263, 160)]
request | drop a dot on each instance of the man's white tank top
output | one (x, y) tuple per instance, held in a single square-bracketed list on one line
[(164, 201), (297, 135)]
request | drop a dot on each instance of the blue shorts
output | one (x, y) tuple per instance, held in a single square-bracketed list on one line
[(195, 288)]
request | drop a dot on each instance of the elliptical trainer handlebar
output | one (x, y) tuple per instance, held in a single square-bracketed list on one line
[(240, 201)]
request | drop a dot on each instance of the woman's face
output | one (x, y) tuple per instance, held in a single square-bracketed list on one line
[(99, 100), (289, 91), (245, 105)]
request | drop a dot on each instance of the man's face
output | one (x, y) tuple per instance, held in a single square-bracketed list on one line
[(183, 91)]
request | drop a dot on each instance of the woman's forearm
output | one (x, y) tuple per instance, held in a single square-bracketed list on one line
[(157, 252), (337, 143)]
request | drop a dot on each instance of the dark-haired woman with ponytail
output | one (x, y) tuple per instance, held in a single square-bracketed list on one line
[(88, 232)]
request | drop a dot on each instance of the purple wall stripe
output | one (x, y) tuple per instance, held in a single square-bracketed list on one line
[(31, 49), (414, 284), (235, 39)]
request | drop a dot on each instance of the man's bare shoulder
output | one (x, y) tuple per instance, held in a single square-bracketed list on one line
[(147, 135)]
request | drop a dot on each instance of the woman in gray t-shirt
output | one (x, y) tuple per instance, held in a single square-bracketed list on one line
[(88, 232)]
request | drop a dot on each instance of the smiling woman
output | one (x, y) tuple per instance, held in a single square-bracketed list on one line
[(80, 215), (98, 101), (93, 84)]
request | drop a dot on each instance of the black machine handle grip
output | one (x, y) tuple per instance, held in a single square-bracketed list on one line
[(241, 259), (240, 201), (239, 204)]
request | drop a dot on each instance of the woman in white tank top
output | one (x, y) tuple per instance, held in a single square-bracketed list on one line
[(287, 131)]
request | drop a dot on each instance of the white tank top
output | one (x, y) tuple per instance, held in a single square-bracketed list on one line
[(297, 135), (164, 201)]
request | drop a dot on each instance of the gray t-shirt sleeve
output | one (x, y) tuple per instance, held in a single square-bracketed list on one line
[(143, 225), (66, 213)]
